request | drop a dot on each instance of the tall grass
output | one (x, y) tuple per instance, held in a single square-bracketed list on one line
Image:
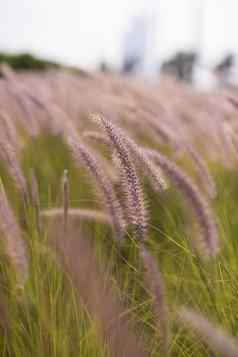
[(68, 288)]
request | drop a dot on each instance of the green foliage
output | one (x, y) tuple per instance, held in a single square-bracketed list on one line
[(26, 61)]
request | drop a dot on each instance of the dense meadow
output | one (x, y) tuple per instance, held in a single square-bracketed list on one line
[(118, 216)]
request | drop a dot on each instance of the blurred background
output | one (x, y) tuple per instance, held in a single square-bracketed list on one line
[(193, 40)]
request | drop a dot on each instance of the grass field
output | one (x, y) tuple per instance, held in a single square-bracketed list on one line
[(119, 229)]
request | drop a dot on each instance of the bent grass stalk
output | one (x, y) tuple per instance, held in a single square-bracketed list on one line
[(203, 171), (217, 339), (204, 214)]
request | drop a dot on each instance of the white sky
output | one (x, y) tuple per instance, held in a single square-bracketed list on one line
[(82, 32)]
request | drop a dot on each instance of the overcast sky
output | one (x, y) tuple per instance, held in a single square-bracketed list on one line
[(82, 32)]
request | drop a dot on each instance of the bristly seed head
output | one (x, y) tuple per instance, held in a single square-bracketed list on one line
[(131, 185), (199, 204), (218, 340)]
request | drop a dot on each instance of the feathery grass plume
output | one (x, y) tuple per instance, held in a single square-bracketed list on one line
[(231, 137), (156, 285), (26, 98), (81, 213), (99, 138), (35, 196), (9, 155), (29, 119), (16, 88), (91, 279), (65, 184), (203, 171), (22, 93), (11, 131), (179, 142), (53, 112), (7, 72), (131, 185), (151, 171), (81, 155), (217, 339), (199, 204), (13, 241), (164, 131)]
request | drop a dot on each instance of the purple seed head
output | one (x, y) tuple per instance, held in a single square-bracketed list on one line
[(197, 201), (131, 185), (218, 340)]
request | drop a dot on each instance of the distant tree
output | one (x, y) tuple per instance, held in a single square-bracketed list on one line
[(130, 64), (225, 73), (26, 61), (226, 63), (104, 67), (181, 65)]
